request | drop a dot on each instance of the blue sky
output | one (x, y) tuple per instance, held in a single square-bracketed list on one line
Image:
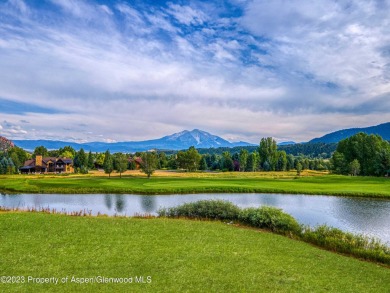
[(132, 70)]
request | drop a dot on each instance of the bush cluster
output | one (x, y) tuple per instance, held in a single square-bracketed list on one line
[(270, 218), (203, 209), (277, 221)]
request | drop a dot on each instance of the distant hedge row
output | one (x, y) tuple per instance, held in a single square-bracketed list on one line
[(277, 221)]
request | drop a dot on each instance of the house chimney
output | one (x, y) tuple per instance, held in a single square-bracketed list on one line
[(38, 161)]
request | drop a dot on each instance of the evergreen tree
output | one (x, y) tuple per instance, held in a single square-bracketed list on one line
[(90, 160)]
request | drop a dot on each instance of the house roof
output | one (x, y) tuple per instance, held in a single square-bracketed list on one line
[(32, 163), (137, 160)]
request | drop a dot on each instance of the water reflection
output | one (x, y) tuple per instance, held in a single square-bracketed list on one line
[(148, 203), (120, 203), (108, 201), (369, 216)]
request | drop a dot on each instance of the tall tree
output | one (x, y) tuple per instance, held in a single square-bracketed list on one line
[(188, 160), (81, 161), (281, 162), (369, 150), (149, 163), (299, 168), (354, 167), (162, 160), (19, 156), (243, 159), (100, 160), (253, 162), (227, 162), (40, 151), (67, 152), (108, 164), (268, 153), (290, 162), (120, 163), (90, 160), (203, 164)]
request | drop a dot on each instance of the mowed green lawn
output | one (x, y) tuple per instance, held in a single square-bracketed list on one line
[(200, 183), (177, 255)]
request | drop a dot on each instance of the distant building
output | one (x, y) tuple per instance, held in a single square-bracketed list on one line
[(137, 162), (47, 165)]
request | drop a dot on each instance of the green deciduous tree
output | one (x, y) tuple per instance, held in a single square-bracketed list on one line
[(121, 163), (253, 162), (281, 162), (227, 162), (108, 164), (268, 153), (371, 151), (40, 151), (149, 163), (299, 168), (243, 159), (354, 167), (67, 152), (203, 164), (188, 160)]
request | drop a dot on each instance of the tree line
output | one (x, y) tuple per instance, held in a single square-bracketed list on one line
[(360, 154)]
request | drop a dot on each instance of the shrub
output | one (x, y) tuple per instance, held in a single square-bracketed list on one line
[(207, 209), (270, 218), (336, 240)]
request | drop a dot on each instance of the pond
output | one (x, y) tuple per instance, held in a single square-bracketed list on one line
[(358, 215)]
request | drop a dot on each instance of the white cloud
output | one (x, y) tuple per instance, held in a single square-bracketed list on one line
[(187, 15), (336, 42), (131, 73)]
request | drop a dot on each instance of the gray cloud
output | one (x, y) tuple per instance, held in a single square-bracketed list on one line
[(265, 72)]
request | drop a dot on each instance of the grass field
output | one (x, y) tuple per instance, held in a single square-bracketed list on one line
[(178, 255), (165, 182)]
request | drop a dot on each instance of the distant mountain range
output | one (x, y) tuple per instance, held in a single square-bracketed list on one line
[(286, 143), (382, 129), (197, 138), (176, 141)]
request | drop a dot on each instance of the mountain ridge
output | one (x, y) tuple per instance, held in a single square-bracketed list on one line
[(381, 129), (176, 141)]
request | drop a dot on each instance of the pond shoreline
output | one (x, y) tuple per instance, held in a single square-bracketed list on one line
[(200, 183), (365, 215), (219, 191)]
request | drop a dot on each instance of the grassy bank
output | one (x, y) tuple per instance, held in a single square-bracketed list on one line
[(178, 255), (172, 182)]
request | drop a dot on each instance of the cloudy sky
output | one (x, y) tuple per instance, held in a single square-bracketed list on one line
[(116, 70)]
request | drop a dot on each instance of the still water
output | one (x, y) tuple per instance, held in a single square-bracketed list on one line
[(358, 215)]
